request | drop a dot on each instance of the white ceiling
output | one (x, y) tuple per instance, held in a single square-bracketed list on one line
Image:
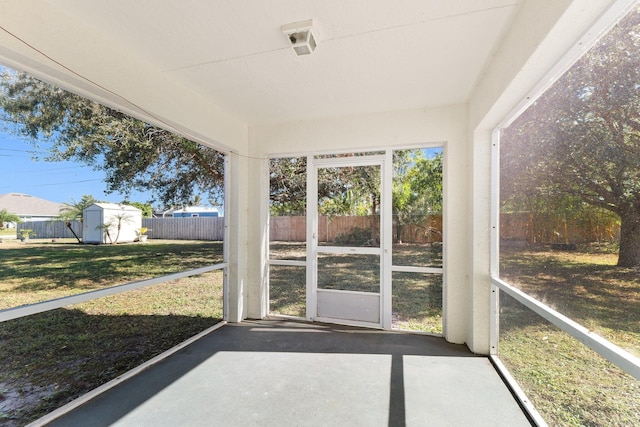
[(372, 55)]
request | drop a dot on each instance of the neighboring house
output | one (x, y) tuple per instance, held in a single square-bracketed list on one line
[(191, 212), (29, 208)]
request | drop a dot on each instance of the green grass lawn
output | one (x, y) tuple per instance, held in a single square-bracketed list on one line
[(569, 384), (41, 269), (416, 297), (48, 359)]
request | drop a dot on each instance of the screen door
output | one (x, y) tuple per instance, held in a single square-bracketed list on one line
[(345, 248)]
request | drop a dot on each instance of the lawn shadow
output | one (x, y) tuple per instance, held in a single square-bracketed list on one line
[(88, 267), (417, 301), (586, 292), (414, 254)]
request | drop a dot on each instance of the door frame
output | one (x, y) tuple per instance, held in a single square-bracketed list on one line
[(385, 250)]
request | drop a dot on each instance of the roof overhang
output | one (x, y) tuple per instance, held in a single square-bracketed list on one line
[(211, 70)]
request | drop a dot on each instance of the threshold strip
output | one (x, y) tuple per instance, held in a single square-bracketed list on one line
[(287, 262), (41, 307)]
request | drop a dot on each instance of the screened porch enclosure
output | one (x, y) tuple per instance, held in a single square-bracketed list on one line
[(378, 82)]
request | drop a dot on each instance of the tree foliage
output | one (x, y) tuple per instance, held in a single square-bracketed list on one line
[(417, 188), (6, 216), (349, 190), (145, 208), (581, 139), (288, 186), (341, 190), (133, 155), (72, 211)]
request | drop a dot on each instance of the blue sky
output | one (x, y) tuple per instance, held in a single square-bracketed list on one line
[(55, 181), (58, 181)]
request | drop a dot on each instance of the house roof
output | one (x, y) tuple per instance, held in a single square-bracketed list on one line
[(25, 205)]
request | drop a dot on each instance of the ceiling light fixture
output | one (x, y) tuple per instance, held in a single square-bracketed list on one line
[(300, 36)]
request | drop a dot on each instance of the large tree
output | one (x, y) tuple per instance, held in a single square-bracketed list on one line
[(131, 153), (288, 186), (582, 137), (340, 189)]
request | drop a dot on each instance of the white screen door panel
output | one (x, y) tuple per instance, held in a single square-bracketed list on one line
[(345, 249)]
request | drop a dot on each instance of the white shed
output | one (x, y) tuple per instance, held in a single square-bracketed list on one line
[(101, 221)]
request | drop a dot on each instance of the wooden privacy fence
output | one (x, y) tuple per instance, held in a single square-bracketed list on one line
[(51, 229), (527, 227), (199, 228), (548, 228), (331, 229)]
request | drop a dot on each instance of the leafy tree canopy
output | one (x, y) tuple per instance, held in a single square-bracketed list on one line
[(341, 190), (582, 137), (133, 155), (288, 186)]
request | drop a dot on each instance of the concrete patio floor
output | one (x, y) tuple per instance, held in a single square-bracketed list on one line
[(289, 373)]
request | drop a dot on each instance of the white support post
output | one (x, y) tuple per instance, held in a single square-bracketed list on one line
[(236, 211), (479, 244), (257, 224), (225, 242), (494, 303), (387, 238), (312, 237)]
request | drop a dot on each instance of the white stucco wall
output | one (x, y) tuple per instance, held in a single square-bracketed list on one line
[(445, 126)]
